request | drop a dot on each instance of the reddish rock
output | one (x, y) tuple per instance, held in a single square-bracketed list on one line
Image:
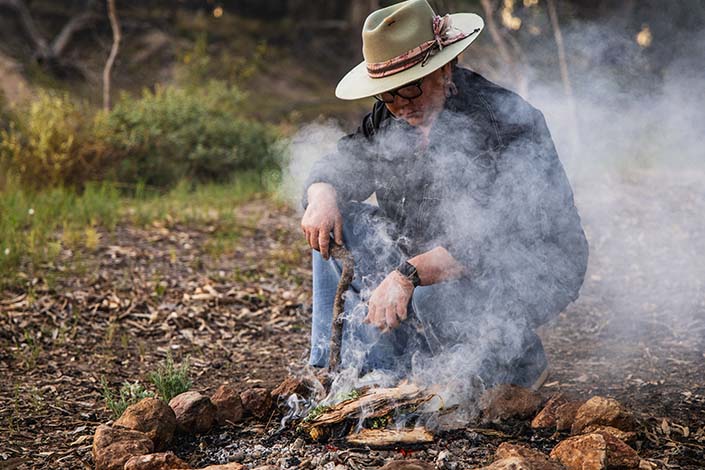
[(603, 411), (565, 414), (230, 466), (520, 463), (509, 401), (228, 405), (595, 452), (522, 457), (194, 412), (625, 436), (408, 464), (152, 417), (106, 435), (257, 401), (160, 461), (116, 455), (546, 418), (302, 386)]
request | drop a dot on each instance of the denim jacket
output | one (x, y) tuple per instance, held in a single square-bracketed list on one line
[(488, 187)]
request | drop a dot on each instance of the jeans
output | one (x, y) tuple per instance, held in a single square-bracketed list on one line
[(441, 317)]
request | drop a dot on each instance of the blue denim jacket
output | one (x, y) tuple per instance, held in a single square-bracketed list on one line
[(489, 188)]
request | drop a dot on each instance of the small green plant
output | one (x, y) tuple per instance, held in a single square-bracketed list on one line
[(128, 394), (170, 379), (317, 411)]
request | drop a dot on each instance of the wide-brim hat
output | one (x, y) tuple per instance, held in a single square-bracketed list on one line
[(404, 42)]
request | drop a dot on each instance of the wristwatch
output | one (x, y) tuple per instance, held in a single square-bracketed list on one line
[(409, 271)]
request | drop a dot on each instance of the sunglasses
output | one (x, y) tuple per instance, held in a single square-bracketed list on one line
[(409, 91)]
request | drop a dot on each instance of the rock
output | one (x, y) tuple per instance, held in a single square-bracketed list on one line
[(522, 457), (518, 457), (565, 414), (160, 461), (152, 417), (546, 418), (509, 401), (257, 401), (408, 464), (229, 466), (625, 436), (302, 386), (112, 447), (603, 411), (595, 452), (194, 412), (228, 405)]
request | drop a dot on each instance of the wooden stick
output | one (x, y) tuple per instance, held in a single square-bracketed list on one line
[(117, 36), (336, 338)]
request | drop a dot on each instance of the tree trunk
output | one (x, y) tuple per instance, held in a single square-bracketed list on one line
[(115, 25)]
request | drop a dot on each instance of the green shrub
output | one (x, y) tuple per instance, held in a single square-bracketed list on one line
[(173, 134), (128, 394), (170, 379), (52, 141)]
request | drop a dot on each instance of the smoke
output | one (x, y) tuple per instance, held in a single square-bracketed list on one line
[(636, 165)]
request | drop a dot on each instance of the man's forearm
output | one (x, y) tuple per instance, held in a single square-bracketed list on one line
[(437, 265)]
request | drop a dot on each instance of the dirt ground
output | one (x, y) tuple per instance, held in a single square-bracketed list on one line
[(242, 316)]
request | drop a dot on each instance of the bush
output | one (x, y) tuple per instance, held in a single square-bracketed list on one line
[(173, 134), (171, 380), (52, 141), (129, 394)]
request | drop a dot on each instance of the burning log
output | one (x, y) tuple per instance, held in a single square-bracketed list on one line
[(383, 438), (374, 405)]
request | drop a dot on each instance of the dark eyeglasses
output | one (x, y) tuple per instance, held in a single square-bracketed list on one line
[(409, 91)]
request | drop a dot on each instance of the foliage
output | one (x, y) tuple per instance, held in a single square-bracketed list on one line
[(171, 380), (36, 226), (172, 134), (52, 141), (315, 412), (128, 394)]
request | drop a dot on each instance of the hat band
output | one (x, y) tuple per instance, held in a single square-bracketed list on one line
[(419, 54)]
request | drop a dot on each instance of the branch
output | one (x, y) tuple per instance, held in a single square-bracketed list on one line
[(40, 43), (115, 25), (74, 25)]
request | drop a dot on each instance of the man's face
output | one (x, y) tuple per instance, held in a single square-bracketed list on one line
[(418, 111)]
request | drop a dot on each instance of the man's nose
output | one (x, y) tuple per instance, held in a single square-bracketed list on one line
[(400, 101)]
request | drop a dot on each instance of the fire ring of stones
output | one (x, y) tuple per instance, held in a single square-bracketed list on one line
[(601, 428)]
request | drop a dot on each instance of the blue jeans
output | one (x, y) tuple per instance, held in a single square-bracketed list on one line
[(440, 317)]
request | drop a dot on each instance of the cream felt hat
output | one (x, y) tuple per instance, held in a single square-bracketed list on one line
[(404, 42)]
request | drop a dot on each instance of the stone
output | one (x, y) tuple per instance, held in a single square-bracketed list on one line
[(509, 401), (624, 436), (595, 452), (520, 463), (522, 456), (194, 412), (407, 464), (546, 418), (112, 447), (302, 386), (603, 411), (114, 456), (257, 401), (152, 417), (228, 405), (565, 414), (228, 466), (159, 461)]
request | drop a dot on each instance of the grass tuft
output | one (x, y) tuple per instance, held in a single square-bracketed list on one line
[(128, 394), (170, 379)]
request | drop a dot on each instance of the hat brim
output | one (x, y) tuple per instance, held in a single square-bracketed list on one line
[(358, 84)]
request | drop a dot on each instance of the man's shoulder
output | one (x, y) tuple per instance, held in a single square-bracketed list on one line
[(503, 104)]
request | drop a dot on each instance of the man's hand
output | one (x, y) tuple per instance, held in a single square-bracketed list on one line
[(321, 217), (388, 303)]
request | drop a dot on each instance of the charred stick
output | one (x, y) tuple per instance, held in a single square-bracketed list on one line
[(340, 253)]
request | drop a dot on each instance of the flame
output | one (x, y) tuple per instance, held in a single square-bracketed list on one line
[(644, 37)]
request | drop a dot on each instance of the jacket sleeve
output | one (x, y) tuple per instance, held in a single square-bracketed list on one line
[(350, 168), (526, 244)]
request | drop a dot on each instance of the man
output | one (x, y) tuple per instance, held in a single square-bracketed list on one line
[(475, 241)]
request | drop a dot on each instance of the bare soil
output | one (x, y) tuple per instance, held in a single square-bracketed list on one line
[(242, 316)]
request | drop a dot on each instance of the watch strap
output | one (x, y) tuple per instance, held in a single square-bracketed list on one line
[(409, 271)]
